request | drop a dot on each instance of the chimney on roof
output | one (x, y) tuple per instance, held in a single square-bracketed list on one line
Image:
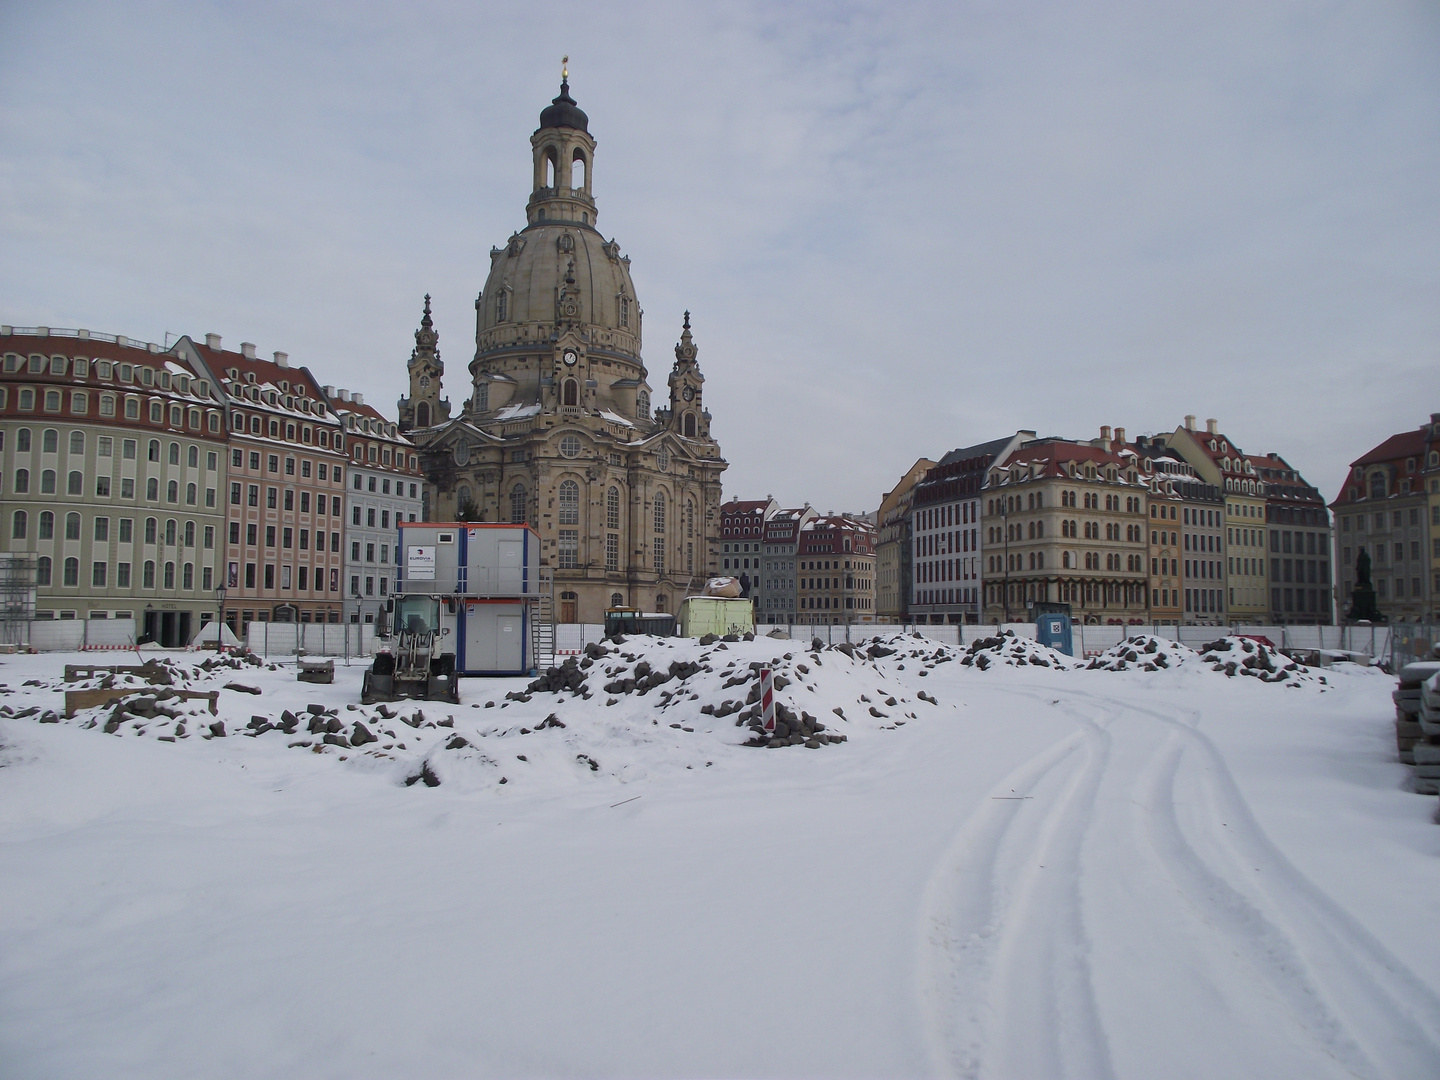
[(282, 359), (247, 350), (1120, 436), (1105, 434), (328, 391), (212, 341), (1212, 426), (358, 398), (344, 394), (1189, 421)]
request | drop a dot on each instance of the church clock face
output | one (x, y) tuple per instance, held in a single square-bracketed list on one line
[(570, 357), (689, 394)]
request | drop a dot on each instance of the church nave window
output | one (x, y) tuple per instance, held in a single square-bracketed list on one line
[(517, 504), (502, 306), (612, 508), (659, 512), (569, 503)]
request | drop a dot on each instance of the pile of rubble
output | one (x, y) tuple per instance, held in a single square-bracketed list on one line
[(1143, 651), (1009, 649), (1245, 656)]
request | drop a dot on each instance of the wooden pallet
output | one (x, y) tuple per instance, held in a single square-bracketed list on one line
[(76, 700)]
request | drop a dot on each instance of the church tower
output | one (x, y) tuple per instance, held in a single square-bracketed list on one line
[(423, 408), (559, 430), (687, 416)]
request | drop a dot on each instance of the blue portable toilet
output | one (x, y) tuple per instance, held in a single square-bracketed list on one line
[(1052, 628)]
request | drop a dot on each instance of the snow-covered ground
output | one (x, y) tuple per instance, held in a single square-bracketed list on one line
[(1031, 871)]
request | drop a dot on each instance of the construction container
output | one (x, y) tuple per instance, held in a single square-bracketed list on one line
[(468, 559), (701, 615), (494, 638)]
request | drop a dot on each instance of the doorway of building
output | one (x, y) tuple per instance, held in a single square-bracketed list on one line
[(567, 607)]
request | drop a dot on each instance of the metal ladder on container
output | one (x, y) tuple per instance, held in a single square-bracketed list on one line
[(542, 621)]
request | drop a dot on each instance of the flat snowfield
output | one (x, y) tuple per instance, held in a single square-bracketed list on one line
[(1030, 872)]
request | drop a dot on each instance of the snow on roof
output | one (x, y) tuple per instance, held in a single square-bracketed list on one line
[(517, 412), (615, 418)]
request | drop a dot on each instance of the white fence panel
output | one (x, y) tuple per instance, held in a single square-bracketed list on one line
[(109, 633), (313, 639), (57, 635)]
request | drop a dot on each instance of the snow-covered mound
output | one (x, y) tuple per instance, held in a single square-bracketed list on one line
[(1245, 656), (1014, 651), (1143, 651)]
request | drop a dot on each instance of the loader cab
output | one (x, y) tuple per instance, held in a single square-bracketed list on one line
[(416, 615)]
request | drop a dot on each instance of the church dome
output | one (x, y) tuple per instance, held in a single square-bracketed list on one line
[(563, 112), (559, 272)]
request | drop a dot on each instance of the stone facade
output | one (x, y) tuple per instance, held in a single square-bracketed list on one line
[(111, 468), (1390, 508), (382, 489), (559, 429), (835, 568), (893, 545), (1066, 522)]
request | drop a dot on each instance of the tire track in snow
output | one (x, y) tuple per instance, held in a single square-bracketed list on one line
[(1363, 1006), (1003, 913)]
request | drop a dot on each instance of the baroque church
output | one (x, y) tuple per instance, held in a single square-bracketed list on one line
[(559, 429)]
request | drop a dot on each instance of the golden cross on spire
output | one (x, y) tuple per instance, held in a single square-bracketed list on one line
[(565, 69)]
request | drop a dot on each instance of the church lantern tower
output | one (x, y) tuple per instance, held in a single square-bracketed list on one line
[(687, 416), (423, 408)]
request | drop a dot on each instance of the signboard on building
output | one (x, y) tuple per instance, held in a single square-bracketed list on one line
[(420, 563)]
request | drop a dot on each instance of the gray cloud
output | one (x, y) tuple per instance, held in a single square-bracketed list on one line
[(900, 228)]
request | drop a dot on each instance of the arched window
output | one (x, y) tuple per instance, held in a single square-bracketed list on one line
[(569, 502), (72, 526), (170, 532), (482, 397), (617, 600), (690, 425), (660, 511), (517, 504), (1377, 486), (22, 481), (642, 405), (50, 441), (150, 530), (577, 169), (502, 306), (571, 394), (47, 525), (172, 491), (422, 414), (660, 601), (690, 519), (75, 483), (551, 167), (147, 574), (624, 312), (1065, 559), (612, 508), (20, 525), (77, 442), (152, 490), (190, 494), (72, 573), (42, 570)]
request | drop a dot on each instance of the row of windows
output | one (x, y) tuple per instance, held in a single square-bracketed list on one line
[(52, 401), (100, 575), (275, 498), (105, 447), (145, 376), (174, 532), (238, 458), (287, 535), (297, 578), (383, 484), (75, 485), (1397, 519), (276, 429)]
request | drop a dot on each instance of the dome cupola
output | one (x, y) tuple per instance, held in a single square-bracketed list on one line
[(564, 154)]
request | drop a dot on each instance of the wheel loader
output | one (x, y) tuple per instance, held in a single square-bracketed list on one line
[(416, 663)]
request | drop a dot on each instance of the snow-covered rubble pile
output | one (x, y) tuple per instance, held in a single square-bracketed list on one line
[(1143, 651), (1015, 651), (1245, 656)]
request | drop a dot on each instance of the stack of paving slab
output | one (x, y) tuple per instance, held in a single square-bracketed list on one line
[(1417, 722)]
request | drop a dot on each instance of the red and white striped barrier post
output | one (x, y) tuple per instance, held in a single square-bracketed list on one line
[(767, 701)]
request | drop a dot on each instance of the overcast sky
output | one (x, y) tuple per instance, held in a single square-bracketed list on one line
[(899, 228)]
